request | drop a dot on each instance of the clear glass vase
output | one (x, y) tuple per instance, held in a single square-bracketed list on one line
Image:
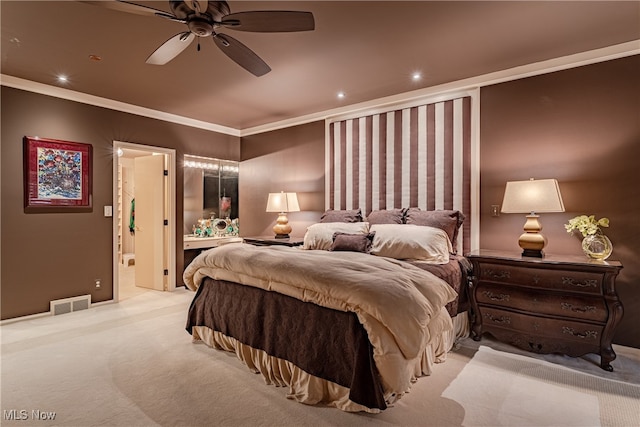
[(597, 246)]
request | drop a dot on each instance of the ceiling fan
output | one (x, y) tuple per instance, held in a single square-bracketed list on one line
[(203, 19)]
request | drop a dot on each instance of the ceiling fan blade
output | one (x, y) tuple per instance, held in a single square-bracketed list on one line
[(270, 21), (171, 48), (125, 6), (218, 9), (241, 54), (199, 6)]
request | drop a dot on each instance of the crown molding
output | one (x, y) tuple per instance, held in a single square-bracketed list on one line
[(111, 104), (445, 90), (543, 67)]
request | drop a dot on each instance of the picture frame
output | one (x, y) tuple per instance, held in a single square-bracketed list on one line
[(57, 175)]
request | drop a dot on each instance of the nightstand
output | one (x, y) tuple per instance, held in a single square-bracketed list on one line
[(555, 304), (271, 241)]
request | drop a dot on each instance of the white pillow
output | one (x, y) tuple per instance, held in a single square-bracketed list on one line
[(416, 242), (320, 235)]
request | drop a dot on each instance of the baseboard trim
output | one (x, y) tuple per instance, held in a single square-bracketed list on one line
[(47, 313)]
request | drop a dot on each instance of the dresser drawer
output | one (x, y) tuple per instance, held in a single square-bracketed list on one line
[(551, 328), (583, 307), (557, 279)]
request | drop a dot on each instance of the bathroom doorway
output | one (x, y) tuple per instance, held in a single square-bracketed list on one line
[(144, 220)]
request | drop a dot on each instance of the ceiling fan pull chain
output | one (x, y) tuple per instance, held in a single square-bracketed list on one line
[(198, 46)]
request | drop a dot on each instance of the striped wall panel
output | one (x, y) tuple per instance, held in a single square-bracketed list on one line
[(413, 157)]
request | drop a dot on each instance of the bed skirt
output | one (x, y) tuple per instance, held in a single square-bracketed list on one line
[(309, 389)]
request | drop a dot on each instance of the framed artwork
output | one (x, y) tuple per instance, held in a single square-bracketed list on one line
[(57, 175)]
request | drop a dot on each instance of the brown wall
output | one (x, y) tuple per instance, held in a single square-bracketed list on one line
[(582, 127), (290, 160), (48, 256)]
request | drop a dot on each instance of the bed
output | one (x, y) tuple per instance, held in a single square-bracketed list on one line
[(348, 320)]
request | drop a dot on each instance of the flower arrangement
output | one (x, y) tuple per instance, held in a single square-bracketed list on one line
[(586, 225)]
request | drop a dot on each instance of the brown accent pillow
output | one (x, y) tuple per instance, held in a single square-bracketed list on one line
[(352, 242), (348, 215), (447, 220), (389, 216)]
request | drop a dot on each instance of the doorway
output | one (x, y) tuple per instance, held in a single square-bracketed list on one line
[(144, 229)]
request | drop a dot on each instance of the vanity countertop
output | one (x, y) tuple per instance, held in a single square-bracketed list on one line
[(193, 242)]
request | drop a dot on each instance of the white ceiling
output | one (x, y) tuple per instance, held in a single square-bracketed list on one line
[(368, 49)]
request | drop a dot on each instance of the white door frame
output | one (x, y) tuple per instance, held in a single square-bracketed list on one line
[(170, 251)]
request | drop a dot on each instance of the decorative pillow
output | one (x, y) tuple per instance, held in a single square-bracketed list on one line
[(389, 216), (352, 242), (416, 242), (320, 235), (349, 215), (448, 220)]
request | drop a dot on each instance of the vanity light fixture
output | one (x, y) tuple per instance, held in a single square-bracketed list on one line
[(542, 195)]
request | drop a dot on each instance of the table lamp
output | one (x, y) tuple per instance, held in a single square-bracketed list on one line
[(282, 203), (542, 195)]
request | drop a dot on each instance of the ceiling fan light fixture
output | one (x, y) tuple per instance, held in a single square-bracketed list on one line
[(200, 26)]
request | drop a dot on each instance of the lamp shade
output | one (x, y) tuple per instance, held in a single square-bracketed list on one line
[(541, 195), (283, 202)]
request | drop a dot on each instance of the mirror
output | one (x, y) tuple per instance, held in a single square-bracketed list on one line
[(210, 193)]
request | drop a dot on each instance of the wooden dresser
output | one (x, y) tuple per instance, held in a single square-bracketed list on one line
[(555, 304)]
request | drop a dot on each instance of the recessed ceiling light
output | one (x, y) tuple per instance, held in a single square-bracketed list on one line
[(416, 76), (341, 95), (63, 79)]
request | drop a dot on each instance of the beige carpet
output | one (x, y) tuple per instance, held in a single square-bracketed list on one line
[(502, 389), (133, 364)]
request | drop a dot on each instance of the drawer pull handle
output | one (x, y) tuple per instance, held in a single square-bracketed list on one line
[(499, 274), (496, 297), (585, 334), (501, 319), (570, 307), (588, 283)]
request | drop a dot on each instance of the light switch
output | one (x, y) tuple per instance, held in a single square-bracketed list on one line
[(108, 211), (495, 210)]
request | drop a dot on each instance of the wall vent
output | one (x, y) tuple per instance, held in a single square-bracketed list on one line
[(67, 305)]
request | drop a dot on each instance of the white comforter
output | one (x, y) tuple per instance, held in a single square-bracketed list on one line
[(395, 301)]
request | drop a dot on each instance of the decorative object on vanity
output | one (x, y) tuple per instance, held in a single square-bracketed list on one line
[(204, 18), (57, 175), (282, 202), (594, 243), (216, 227), (542, 195), (552, 305)]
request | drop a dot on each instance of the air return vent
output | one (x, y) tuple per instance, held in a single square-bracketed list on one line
[(67, 305)]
